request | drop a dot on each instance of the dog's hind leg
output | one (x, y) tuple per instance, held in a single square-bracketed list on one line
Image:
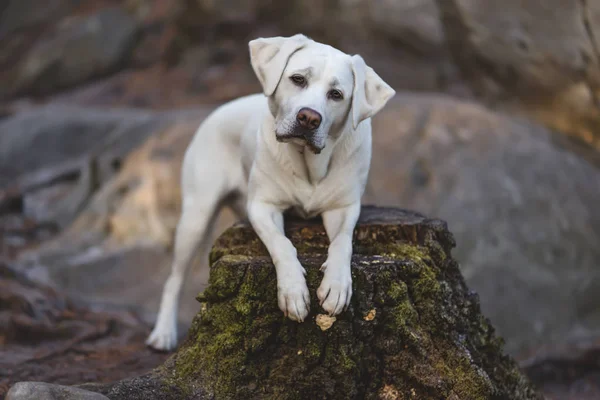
[(194, 232)]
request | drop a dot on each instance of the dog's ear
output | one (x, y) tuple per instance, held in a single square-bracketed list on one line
[(370, 92), (269, 56)]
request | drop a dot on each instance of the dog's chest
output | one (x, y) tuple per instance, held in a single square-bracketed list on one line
[(302, 213), (310, 200)]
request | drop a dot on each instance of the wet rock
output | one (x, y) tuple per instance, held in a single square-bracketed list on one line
[(427, 340), (522, 204), (48, 391)]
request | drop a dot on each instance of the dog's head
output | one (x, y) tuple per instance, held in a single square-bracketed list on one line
[(315, 90)]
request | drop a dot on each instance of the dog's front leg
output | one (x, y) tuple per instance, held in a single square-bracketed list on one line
[(292, 293), (335, 290)]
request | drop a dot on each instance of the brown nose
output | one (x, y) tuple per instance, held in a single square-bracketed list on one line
[(308, 118)]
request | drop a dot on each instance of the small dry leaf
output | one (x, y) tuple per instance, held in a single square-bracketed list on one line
[(325, 321), (299, 352), (370, 315), (389, 392)]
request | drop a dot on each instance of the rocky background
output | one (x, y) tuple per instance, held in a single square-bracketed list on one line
[(495, 129)]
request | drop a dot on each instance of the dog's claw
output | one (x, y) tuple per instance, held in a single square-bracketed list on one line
[(294, 300), (335, 294)]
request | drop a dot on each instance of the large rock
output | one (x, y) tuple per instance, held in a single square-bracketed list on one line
[(413, 329), (522, 205), (17, 15), (122, 233), (53, 158), (415, 23), (41, 138), (543, 56), (402, 41), (78, 50)]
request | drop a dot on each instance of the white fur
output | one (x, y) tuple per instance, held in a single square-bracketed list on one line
[(243, 156)]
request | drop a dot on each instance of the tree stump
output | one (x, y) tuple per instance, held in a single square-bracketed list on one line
[(413, 330)]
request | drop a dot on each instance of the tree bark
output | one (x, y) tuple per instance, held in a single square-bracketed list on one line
[(413, 330)]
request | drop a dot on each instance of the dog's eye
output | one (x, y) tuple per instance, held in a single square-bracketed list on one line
[(298, 80), (335, 95)]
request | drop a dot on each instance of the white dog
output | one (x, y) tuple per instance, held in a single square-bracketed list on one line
[(303, 145)]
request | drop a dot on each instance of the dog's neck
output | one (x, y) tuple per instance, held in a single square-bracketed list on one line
[(308, 165), (299, 160)]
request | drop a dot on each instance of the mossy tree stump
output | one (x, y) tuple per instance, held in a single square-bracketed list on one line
[(413, 330)]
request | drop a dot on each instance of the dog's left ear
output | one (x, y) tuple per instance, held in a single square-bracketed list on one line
[(269, 56), (370, 92)]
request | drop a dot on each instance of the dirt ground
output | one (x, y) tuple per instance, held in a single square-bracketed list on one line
[(45, 337)]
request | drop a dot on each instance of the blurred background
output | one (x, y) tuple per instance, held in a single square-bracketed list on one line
[(495, 129)]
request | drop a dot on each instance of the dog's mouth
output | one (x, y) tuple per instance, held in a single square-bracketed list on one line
[(300, 138)]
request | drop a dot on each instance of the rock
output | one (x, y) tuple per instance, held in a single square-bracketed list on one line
[(141, 203), (35, 139), (414, 23), (427, 340), (401, 40), (79, 50), (51, 182), (41, 205), (522, 205), (24, 14), (122, 233), (149, 181), (48, 391), (545, 58), (49, 337)]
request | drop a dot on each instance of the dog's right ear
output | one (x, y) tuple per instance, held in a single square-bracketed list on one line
[(269, 56)]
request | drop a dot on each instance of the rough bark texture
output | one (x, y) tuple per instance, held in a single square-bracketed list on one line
[(413, 330)]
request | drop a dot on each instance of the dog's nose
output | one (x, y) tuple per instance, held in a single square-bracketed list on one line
[(308, 118)]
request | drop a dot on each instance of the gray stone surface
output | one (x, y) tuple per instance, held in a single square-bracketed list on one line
[(48, 391), (77, 51), (23, 14), (415, 23), (47, 136), (538, 57)]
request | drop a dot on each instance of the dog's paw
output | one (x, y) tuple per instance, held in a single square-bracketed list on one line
[(294, 299), (163, 338), (335, 291)]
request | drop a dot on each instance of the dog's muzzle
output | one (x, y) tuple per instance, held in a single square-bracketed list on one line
[(300, 137), (304, 130)]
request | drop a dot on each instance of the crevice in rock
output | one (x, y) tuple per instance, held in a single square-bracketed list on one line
[(585, 17)]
